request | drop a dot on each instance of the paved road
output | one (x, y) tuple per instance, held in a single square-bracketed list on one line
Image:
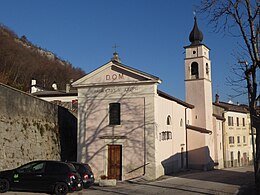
[(226, 181)]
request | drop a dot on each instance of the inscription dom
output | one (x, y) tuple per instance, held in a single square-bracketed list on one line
[(114, 77)]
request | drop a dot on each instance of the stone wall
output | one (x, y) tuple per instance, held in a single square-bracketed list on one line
[(29, 128)]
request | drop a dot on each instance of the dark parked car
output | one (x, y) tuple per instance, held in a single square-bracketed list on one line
[(86, 173), (42, 176)]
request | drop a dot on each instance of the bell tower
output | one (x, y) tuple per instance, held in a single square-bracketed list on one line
[(198, 79), (199, 93)]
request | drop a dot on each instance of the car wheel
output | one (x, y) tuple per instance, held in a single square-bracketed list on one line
[(4, 185), (61, 188)]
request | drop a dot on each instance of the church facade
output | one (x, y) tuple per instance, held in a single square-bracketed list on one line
[(128, 128)]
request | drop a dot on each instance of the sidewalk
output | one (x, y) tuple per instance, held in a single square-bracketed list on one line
[(248, 190)]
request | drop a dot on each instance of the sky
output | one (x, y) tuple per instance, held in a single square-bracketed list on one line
[(150, 35)]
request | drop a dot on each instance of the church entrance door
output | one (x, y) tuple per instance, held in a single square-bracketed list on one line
[(114, 162)]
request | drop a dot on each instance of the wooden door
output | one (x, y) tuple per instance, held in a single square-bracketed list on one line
[(114, 161)]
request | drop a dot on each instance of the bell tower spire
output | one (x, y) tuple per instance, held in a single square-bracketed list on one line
[(197, 62), (196, 35)]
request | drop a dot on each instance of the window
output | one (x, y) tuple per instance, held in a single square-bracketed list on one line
[(207, 68), (165, 135), (231, 140), (237, 121), (181, 123), (230, 121), (114, 114), (169, 135), (244, 139), (195, 70), (238, 139), (34, 167), (243, 121), (169, 121)]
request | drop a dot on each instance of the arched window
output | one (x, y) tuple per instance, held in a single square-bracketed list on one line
[(169, 120), (194, 70), (207, 68), (181, 123)]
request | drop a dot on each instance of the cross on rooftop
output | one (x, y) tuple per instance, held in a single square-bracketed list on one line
[(115, 47)]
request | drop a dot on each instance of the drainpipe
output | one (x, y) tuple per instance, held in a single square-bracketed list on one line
[(223, 144), (187, 160), (144, 141)]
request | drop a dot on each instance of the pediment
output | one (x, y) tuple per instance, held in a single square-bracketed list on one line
[(114, 72)]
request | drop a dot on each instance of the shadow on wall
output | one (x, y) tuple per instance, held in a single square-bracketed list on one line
[(68, 134), (201, 160), (174, 163), (96, 133)]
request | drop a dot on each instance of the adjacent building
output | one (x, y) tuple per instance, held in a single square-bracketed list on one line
[(237, 138), (67, 98)]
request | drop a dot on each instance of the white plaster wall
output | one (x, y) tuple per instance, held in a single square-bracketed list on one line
[(168, 152), (189, 116), (196, 149), (218, 143), (199, 94), (201, 146)]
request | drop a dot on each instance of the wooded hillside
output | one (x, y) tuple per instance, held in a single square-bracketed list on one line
[(20, 61)]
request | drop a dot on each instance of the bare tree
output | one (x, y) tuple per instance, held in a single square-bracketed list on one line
[(240, 18), (20, 61)]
